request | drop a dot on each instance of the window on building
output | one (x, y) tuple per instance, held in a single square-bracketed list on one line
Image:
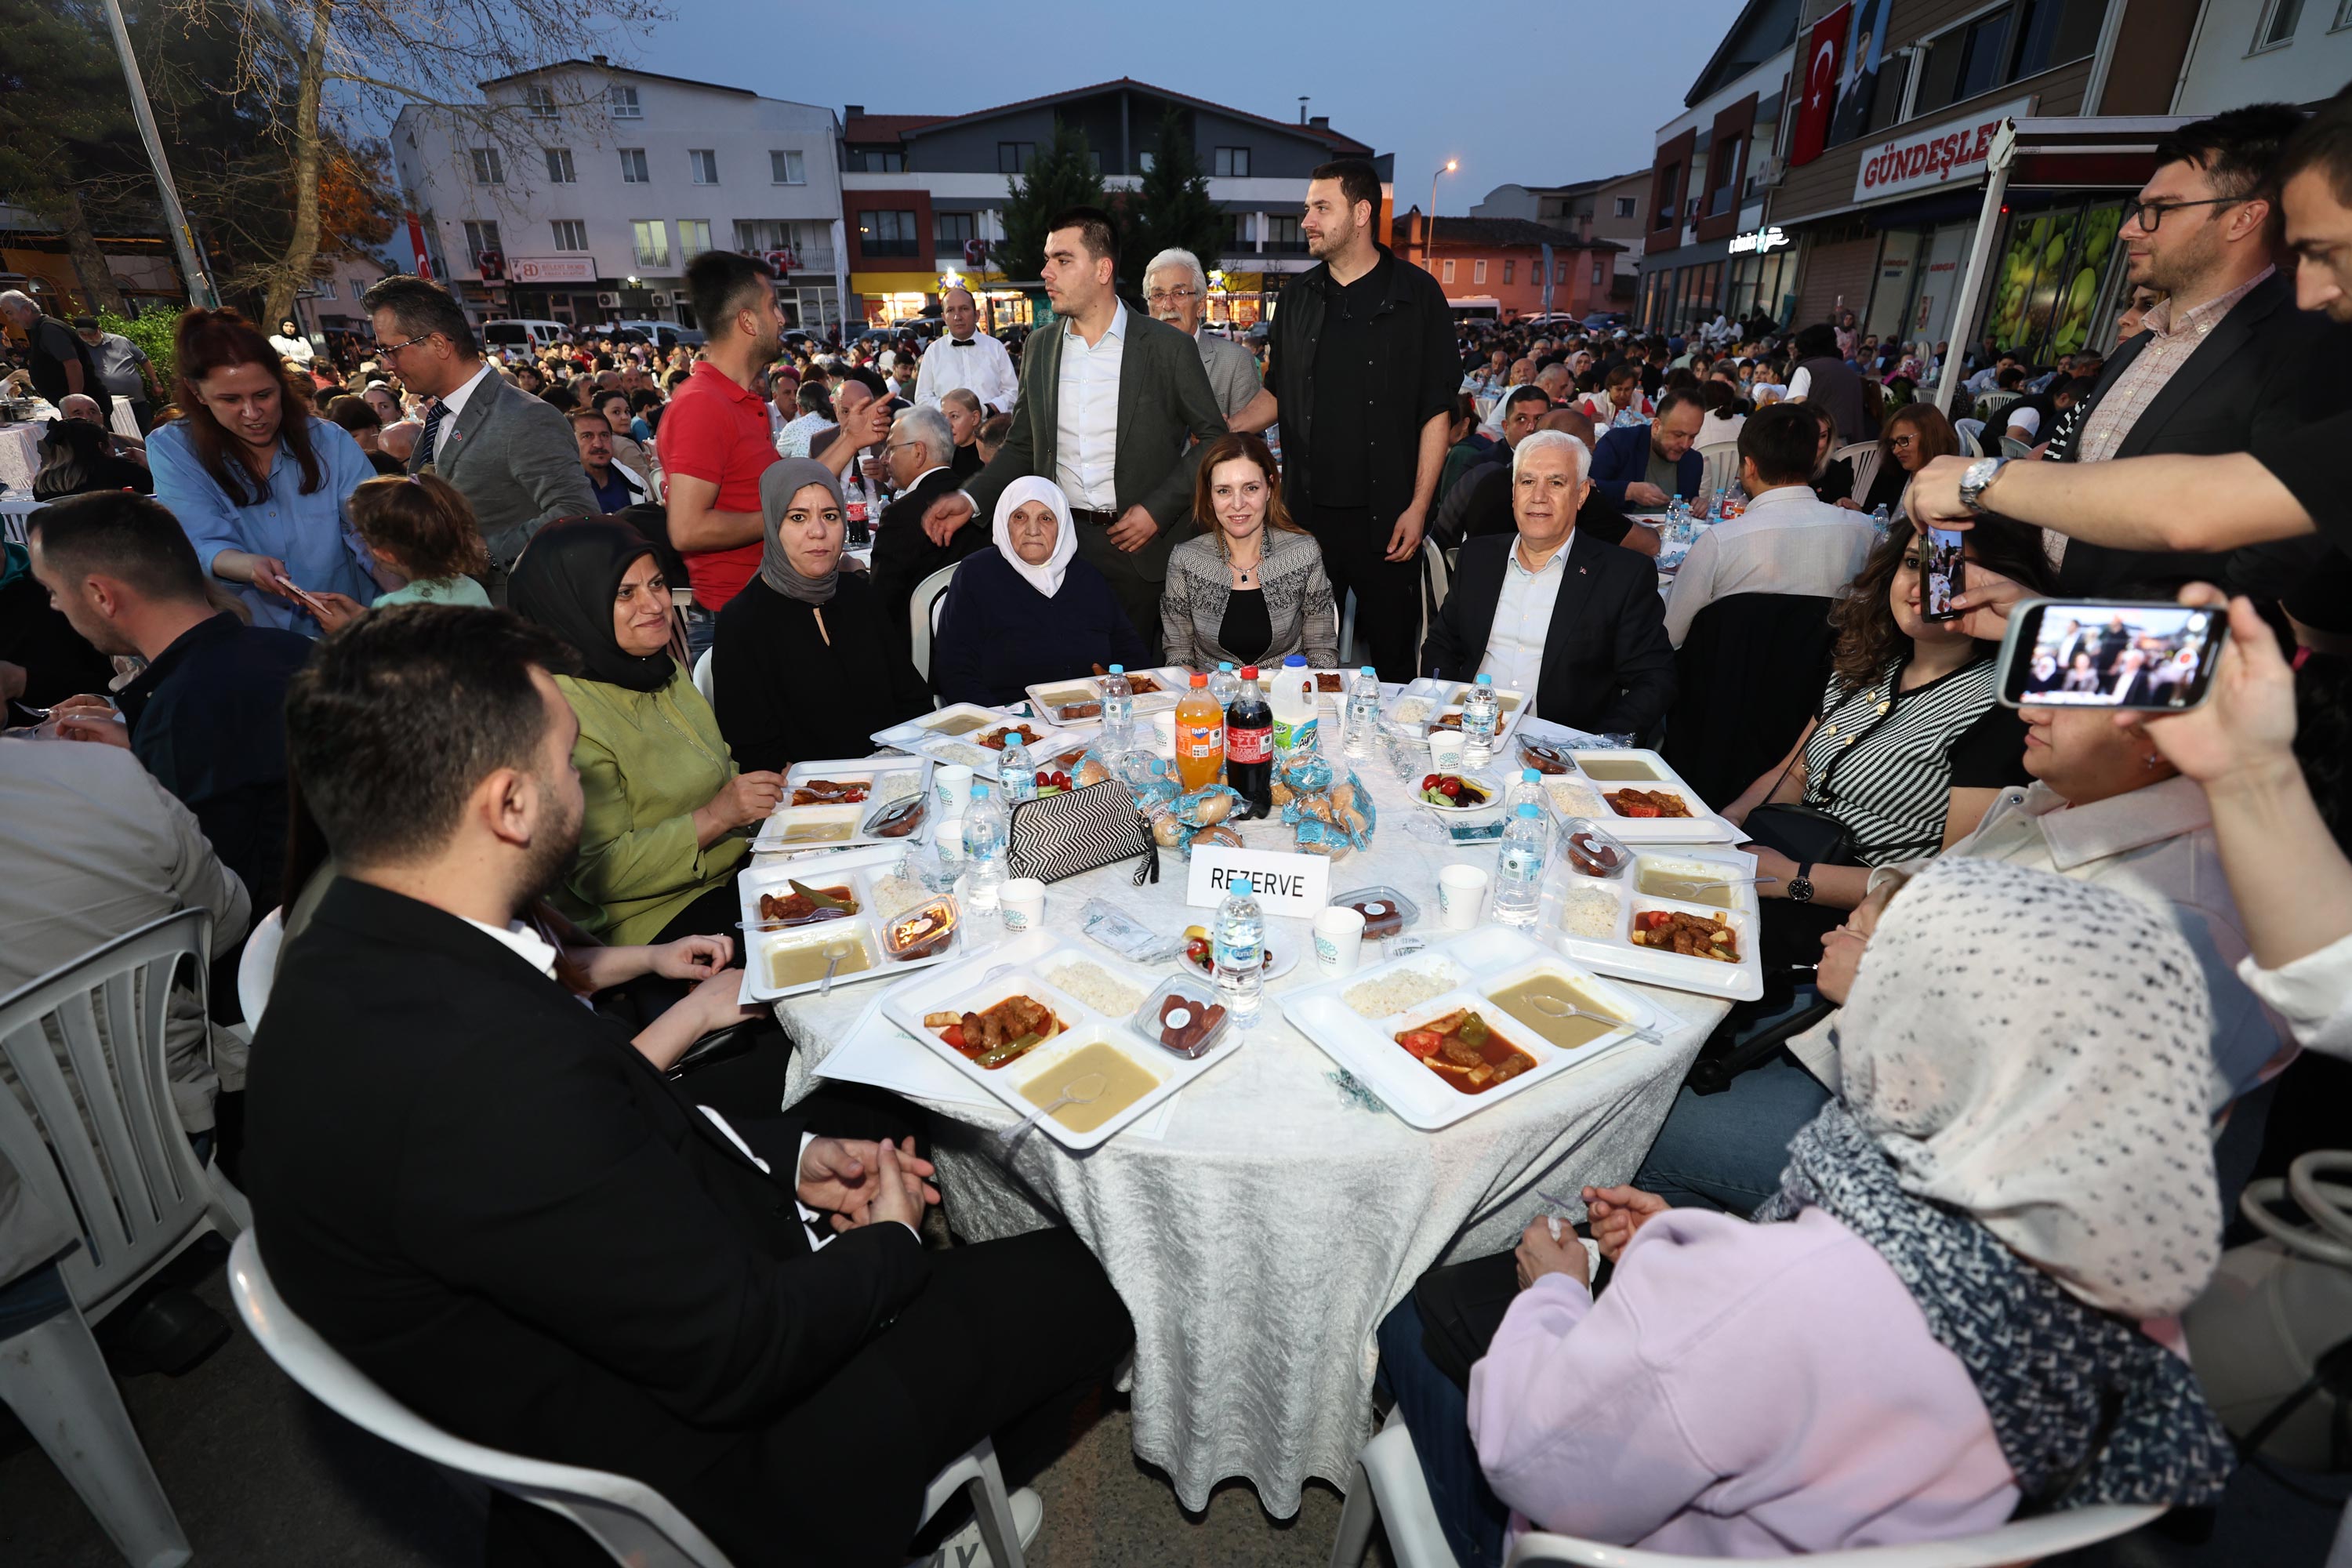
[(560, 171), (693, 237), (1282, 233), (2019, 39), (1669, 208), (1478, 271), (571, 233), (1014, 157), (786, 168), (1597, 268), (875, 161), (1143, 163), (1231, 162), (1725, 161), (633, 167), (889, 234), (652, 239), (1559, 271), (2343, 17), (479, 237), (487, 169), (704, 164), (949, 230), (1510, 271), (621, 102), (1237, 224), (1448, 265), (1624, 206), (539, 102), (756, 234), (2279, 22)]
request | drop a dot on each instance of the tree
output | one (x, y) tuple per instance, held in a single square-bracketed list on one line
[(1171, 207), (61, 93), (1061, 175)]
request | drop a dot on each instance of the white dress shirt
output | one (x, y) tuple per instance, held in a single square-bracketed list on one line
[(982, 368), (1787, 542), (1515, 645), (1085, 435), (454, 404), (523, 941)]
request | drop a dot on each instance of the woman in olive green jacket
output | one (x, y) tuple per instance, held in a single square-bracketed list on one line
[(659, 849)]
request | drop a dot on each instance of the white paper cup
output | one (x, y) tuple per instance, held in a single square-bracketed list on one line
[(1339, 940), (1445, 751), (1163, 734), (1025, 905), (951, 790), (1461, 896)]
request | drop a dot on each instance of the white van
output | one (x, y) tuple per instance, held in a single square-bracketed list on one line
[(516, 336)]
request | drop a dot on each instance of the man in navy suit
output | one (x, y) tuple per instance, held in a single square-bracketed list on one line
[(1639, 466)]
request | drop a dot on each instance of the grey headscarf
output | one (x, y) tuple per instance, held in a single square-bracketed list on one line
[(782, 481)]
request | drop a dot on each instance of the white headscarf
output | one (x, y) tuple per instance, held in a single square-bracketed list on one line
[(1046, 578), (2033, 1051)]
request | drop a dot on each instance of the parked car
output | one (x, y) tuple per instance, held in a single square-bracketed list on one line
[(522, 337), (661, 334)]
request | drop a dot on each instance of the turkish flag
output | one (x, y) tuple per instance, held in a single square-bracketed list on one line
[(417, 243), (1820, 77)]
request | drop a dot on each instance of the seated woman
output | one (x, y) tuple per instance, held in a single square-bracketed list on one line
[(659, 849), (1937, 1318), (800, 668), (421, 529), (1913, 433), (77, 458), (1249, 588), (1909, 745), (1029, 611)]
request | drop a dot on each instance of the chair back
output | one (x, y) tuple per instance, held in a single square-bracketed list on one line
[(1746, 678), (923, 616), (2010, 446), (1992, 403), (1439, 575), (104, 1142), (1971, 434), (1866, 456), (2018, 1541), (636, 1524), (702, 681), (1721, 469), (257, 966)]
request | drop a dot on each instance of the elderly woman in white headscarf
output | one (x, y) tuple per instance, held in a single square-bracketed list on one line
[(1939, 1319), (1028, 611)]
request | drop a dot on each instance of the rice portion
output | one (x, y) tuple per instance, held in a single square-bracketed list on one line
[(969, 756), (1588, 911), (1097, 989), (896, 785), (1571, 799), (895, 893), (1413, 709), (1395, 993)]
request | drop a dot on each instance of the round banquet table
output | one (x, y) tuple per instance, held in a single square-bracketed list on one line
[(1260, 1237), (20, 454)]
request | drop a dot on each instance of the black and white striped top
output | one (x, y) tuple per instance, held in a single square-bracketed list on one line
[(1884, 763)]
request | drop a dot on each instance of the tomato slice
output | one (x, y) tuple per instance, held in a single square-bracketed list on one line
[(954, 1035), (1422, 1042), (1640, 810)]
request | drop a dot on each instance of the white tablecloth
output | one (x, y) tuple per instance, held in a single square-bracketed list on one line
[(14, 508), (1261, 1237), (20, 455)]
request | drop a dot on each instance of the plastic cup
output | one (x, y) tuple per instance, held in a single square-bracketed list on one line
[(1163, 734), (1339, 940), (1445, 751), (950, 790), (1461, 896), (1024, 900)]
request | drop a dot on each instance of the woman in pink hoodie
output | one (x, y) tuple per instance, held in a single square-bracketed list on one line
[(1935, 1325)]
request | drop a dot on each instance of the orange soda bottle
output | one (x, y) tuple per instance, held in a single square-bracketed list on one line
[(1200, 736)]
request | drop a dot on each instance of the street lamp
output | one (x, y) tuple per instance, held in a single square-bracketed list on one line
[(1428, 230)]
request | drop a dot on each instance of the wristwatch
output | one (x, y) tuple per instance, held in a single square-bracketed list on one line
[(1972, 483), (1800, 886)]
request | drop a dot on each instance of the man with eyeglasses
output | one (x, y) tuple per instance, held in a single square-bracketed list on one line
[(964, 356), (919, 456), (1176, 289)]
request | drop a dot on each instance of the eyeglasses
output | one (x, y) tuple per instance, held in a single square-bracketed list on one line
[(1904, 440), (385, 351), (1169, 296), (2150, 216)]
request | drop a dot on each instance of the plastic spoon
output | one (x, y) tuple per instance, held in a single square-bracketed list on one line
[(1553, 1008), (833, 957), (1083, 1090), (1730, 882)]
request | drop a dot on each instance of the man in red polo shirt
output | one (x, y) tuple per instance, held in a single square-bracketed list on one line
[(714, 442)]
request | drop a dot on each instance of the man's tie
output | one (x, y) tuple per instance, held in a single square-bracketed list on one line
[(433, 413), (961, 343)]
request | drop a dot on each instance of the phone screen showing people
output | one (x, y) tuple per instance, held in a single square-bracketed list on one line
[(1942, 573), (2109, 655)]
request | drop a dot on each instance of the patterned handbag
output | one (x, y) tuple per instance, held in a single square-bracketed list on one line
[(1059, 836)]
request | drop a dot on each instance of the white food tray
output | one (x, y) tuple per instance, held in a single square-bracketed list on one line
[(1702, 827), (863, 770), (928, 737), (1030, 962), (1173, 681), (1472, 964), (861, 869), (1444, 696), (1616, 956)]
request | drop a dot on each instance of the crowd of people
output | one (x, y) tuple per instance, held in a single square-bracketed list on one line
[(408, 651)]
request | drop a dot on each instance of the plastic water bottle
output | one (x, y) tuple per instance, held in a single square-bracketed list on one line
[(984, 826), (1019, 777), (1481, 707), (1881, 522), (1677, 517), (1528, 791), (1224, 685), (1363, 712), (1117, 712), (1519, 868), (1238, 946)]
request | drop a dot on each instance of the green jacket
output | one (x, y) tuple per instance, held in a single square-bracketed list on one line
[(648, 760)]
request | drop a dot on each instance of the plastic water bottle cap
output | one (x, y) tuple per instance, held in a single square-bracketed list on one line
[(1486, 680), (1225, 665), (1531, 776), (1119, 669), (1368, 670), (979, 792)]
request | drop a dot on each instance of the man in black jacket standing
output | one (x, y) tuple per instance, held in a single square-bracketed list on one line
[(1361, 373), (476, 1189)]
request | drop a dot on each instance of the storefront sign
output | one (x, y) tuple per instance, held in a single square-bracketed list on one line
[(1282, 883), (1761, 241), (551, 268), (1922, 160)]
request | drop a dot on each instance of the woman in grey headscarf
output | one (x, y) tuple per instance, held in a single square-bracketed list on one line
[(802, 668)]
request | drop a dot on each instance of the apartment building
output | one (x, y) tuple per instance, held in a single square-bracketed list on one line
[(1507, 267), (1612, 207)]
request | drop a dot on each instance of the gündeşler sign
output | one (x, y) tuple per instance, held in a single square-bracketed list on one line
[(1922, 160)]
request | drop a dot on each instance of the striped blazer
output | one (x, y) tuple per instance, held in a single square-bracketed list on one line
[(1298, 602)]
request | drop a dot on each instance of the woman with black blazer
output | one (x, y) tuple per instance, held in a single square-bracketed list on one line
[(1249, 588)]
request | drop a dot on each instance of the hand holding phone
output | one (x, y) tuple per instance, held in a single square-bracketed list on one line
[(2146, 657), (1943, 568)]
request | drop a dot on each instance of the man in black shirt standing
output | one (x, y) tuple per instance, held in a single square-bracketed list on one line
[(61, 362), (1361, 373)]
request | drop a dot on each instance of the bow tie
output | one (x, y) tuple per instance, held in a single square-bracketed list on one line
[(963, 342)]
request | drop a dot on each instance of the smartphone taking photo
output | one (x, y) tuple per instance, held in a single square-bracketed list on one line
[(1942, 573), (2107, 653)]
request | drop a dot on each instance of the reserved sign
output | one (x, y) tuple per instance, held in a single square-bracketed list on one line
[(1283, 883)]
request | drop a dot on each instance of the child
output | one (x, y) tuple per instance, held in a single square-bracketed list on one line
[(421, 527)]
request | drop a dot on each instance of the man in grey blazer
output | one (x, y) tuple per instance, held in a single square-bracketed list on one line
[(1114, 408), (1176, 289), (513, 456)]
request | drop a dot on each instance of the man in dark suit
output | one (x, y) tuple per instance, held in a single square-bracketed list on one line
[(920, 454), (1643, 466), (1554, 612), (512, 455), (1480, 501), (1115, 408), (482, 1195)]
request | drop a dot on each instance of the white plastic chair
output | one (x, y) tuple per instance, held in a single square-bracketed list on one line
[(104, 1142), (923, 616), (1971, 434), (701, 683), (1722, 466), (257, 966), (1865, 457), (2010, 446), (636, 1524), (1388, 1488)]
